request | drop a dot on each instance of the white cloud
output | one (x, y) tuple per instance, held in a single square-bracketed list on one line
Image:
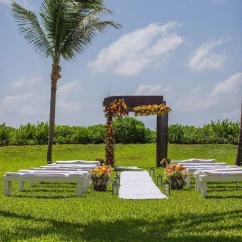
[(195, 99), (167, 92), (148, 90), (231, 85), (199, 98), (11, 104), (137, 50), (12, 99), (70, 106), (25, 82), (204, 58), (16, 84), (69, 87)]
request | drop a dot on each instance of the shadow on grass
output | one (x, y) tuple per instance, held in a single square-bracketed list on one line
[(221, 189), (48, 191), (49, 197), (223, 197), (187, 227)]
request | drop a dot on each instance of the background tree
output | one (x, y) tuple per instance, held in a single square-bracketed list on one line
[(66, 27), (238, 161)]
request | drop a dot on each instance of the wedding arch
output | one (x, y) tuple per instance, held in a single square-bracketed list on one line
[(119, 106)]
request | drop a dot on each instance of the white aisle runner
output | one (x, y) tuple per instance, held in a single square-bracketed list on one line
[(138, 185)]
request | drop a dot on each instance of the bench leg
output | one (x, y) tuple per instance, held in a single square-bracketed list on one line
[(188, 181), (204, 188), (89, 180), (197, 183), (7, 188), (79, 189), (31, 183), (85, 183), (20, 186)]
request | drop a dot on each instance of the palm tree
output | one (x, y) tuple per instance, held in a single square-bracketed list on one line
[(66, 27), (238, 161)]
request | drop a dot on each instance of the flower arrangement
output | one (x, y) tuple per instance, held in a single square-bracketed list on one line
[(100, 177), (165, 161), (155, 109), (117, 108), (176, 175)]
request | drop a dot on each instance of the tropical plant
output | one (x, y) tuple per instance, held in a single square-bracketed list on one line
[(65, 29), (130, 130), (126, 130), (239, 149), (81, 135), (24, 135), (41, 133), (4, 134)]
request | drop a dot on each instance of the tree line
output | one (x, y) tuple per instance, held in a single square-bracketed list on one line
[(127, 130)]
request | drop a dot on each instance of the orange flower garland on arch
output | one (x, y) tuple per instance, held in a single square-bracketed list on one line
[(146, 110), (117, 108)]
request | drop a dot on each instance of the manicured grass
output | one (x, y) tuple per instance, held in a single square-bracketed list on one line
[(51, 212)]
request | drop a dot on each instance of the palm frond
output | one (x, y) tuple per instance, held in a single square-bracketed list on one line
[(84, 31), (70, 25), (89, 4), (30, 28), (93, 15), (52, 15)]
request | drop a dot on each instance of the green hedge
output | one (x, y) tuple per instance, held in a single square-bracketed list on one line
[(127, 130), (224, 132)]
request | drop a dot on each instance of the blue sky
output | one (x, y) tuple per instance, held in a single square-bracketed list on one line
[(189, 51)]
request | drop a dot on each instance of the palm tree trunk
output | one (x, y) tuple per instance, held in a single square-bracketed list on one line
[(238, 161), (55, 75)]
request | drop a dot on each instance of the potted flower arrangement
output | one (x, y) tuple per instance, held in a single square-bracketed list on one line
[(175, 174), (165, 161), (100, 177)]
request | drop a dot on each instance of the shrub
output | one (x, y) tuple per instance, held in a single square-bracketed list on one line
[(41, 133), (128, 130), (131, 130), (5, 134)]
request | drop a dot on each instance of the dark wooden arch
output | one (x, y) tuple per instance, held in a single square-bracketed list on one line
[(162, 121)]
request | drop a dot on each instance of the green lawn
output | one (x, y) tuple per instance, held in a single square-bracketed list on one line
[(51, 212)]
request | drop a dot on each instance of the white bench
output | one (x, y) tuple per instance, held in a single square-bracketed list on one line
[(202, 177), (86, 172), (81, 167), (211, 171), (192, 169), (80, 179), (185, 164), (193, 160), (84, 162)]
